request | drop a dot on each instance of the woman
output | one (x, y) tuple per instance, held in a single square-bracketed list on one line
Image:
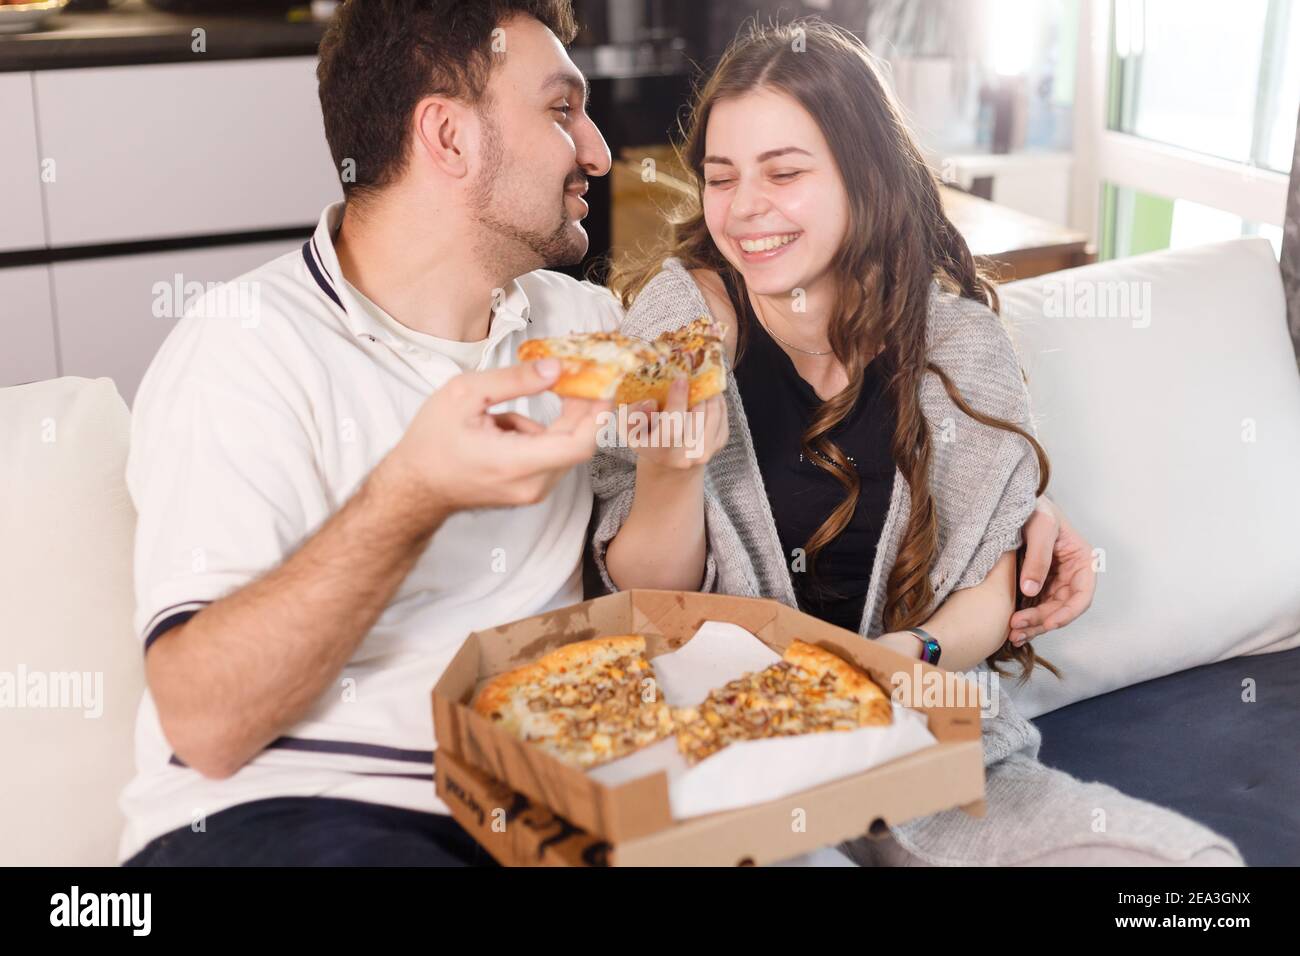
[(873, 460)]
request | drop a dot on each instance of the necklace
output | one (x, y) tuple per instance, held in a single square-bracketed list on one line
[(769, 331)]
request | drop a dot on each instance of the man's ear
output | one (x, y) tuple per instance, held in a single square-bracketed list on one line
[(443, 133)]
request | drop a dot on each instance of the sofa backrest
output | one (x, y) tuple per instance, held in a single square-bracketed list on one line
[(71, 672), (1167, 397)]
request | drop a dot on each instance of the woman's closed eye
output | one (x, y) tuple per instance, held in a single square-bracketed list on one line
[(785, 176)]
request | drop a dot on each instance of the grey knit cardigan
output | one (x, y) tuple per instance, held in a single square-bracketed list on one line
[(984, 482)]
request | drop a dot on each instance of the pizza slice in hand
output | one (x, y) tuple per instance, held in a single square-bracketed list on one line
[(585, 703), (809, 690), (609, 365), (593, 364), (694, 352)]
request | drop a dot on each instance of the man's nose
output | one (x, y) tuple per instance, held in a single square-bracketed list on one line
[(593, 151)]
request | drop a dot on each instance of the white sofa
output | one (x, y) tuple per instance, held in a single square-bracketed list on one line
[(1174, 435), (1143, 425), (66, 525)]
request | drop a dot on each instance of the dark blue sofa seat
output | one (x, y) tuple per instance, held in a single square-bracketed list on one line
[(1188, 742)]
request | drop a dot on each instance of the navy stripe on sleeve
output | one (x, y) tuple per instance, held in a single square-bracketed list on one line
[(344, 747), (169, 621), (351, 748)]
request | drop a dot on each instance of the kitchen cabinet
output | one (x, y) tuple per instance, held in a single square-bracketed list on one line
[(183, 149), (197, 169), (26, 326), (21, 223)]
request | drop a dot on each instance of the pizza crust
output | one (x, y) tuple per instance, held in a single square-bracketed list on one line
[(498, 693), (582, 379), (850, 682)]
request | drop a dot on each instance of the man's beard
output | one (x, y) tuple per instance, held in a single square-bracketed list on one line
[(505, 243)]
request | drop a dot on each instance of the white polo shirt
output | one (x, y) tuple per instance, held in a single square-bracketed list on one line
[(249, 431)]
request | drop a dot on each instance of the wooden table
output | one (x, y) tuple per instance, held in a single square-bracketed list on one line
[(1019, 245)]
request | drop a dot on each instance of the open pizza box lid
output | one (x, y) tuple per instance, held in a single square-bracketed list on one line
[(526, 807)]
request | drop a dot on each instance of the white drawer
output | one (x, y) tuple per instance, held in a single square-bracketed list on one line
[(21, 226), (26, 326), (106, 306), (183, 149)]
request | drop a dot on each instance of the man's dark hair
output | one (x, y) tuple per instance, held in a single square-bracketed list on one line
[(380, 57)]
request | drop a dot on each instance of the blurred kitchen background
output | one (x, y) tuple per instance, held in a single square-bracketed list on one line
[(181, 140)]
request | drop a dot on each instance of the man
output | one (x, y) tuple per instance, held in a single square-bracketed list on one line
[(334, 491)]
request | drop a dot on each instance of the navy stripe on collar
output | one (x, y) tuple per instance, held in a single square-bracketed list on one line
[(316, 274), (321, 262)]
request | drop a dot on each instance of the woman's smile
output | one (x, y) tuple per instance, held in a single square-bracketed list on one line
[(761, 247)]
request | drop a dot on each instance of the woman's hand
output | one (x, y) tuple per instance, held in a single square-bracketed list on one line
[(677, 439), (662, 542)]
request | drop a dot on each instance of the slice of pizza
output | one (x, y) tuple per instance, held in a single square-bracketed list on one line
[(697, 347), (808, 691), (651, 382), (585, 703), (694, 351), (593, 364)]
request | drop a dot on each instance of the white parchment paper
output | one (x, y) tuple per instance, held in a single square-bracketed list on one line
[(752, 771)]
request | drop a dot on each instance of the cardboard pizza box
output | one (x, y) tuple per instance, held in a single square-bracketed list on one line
[(526, 807)]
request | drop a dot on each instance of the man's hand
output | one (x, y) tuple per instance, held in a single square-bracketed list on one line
[(1058, 564), (456, 455)]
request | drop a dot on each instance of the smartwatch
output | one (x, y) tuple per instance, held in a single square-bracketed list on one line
[(930, 648)]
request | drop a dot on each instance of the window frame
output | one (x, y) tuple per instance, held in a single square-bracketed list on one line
[(1106, 156)]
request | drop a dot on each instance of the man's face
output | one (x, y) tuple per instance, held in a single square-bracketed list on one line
[(539, 147)]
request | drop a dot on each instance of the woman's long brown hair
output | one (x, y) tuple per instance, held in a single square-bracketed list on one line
[(899, 240)]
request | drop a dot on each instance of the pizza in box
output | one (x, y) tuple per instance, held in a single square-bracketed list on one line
[(594, 701)]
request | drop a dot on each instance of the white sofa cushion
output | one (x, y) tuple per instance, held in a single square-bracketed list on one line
[(65, 590), (1174, 435)]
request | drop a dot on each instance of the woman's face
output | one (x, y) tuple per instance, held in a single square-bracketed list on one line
[(774, 201)]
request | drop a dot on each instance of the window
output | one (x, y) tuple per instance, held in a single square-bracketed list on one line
[(1134, 222), (1196, 120), (1208, 76)]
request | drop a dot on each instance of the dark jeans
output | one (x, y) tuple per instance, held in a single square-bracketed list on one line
[(316, 831)]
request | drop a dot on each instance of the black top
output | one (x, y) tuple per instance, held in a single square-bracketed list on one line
[(780, 405)]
